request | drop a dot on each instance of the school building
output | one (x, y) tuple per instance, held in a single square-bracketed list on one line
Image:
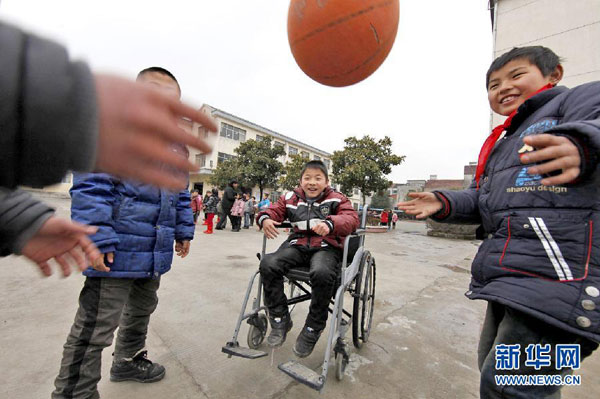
[(234, 130), (570, 28)]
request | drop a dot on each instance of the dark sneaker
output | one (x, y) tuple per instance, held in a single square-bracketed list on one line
[(138, 368), (279, 329), (305, 343)]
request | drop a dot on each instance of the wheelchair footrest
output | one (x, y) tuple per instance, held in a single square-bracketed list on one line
[(303, 374), (246, 353)]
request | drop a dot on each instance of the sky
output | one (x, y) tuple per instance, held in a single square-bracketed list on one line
[(428, 96)]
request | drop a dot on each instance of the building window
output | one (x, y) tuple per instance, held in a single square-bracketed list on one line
[(305, 154), (292, 151), (224, 157), (278, 144), (327, 163), (201, 160), (260, 138), (232, 132), (317, 158)]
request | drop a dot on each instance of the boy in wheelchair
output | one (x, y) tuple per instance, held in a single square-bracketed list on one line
[(322, 218)]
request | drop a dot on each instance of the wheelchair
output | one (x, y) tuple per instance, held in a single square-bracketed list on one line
[(356, 277)]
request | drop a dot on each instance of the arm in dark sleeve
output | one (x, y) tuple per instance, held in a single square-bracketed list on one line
[(47, 111), (93, 202), (21, 217), (277, 212), (460, 207), (581, 109)]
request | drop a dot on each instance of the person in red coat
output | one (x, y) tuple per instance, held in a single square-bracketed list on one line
[(321, 219)]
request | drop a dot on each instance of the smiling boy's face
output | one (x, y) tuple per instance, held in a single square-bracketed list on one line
[(515, 82), (313, 182)]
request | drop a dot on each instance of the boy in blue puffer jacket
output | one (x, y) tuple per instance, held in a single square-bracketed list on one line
[(537, 198), (137, 227)]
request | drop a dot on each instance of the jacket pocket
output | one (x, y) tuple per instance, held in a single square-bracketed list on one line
[(557, 249)]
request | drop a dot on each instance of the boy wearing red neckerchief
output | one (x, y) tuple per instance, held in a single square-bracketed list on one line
[(536, 196)]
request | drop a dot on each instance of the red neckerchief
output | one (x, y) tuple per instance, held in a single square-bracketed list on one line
[(489, 143)]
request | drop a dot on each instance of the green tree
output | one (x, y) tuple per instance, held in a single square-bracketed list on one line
[(291, 172), (225, 172), (381, 200), (364, 164), (256, 164)]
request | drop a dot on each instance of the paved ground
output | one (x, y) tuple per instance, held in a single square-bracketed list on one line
[(423, 343)]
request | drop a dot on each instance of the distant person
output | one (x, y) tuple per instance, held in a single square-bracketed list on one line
[(317, 244), (535, 193), (394, 219), (210, 209), (226, 204), (237, 211), (384, 217), (248, 210), (254, 210), (138, 225), (56, 116), (196, 204), (265, 203)]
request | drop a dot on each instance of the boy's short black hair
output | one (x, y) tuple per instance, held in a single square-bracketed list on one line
[(160, 70), (542, 57), (315, 165)]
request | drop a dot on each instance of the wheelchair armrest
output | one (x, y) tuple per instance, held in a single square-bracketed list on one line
[(359, 232)]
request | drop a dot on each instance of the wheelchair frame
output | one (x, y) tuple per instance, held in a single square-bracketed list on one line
[(358, 279)]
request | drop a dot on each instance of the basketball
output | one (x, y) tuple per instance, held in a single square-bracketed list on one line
[(341, 42)]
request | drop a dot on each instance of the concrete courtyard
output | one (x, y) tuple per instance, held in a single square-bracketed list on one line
[(423, 343)]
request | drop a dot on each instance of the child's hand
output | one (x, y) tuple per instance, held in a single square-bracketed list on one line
[(423, 205), (182, 248), (269, 228), (321, 229), (98, 263), (560, 152), (138, 127), (58, 238)]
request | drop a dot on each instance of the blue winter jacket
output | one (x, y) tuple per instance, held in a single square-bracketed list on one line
[(138, 222), (541, 252)]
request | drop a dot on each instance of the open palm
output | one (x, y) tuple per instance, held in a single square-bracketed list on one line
[(423, 205), (65, 242)]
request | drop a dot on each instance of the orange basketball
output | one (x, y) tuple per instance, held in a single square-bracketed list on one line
[(341, 42)]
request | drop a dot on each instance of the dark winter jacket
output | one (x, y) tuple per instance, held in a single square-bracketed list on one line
[(331, 207), (211, 204), (228, 199), (541, 252), (138, 222)]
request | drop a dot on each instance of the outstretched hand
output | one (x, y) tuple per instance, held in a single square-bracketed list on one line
[(559, 155), (269, 228), (64, 241), (138, 128), (423, 205)]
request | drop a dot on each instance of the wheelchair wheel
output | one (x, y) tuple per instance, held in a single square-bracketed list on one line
[(364, 300), (257, 331), (340, 366)]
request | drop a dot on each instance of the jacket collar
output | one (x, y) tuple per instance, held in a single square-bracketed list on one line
[(533, 104)]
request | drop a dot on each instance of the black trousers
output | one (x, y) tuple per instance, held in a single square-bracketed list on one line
[(223, 219), (324, 265)]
